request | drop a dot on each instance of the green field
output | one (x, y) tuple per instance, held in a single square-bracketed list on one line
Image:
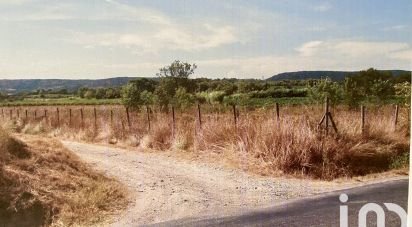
[(60, 101)]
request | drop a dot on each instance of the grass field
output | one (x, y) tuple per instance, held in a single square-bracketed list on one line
[(258, 142), (60, 102)]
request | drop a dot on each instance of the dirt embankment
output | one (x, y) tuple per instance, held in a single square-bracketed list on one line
[(42, 183)]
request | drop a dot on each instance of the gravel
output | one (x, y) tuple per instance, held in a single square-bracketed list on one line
[(166, 188)]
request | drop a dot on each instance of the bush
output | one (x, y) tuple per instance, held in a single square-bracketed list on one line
[(182, 99), (236, 99), (273, 92), (326, 88)]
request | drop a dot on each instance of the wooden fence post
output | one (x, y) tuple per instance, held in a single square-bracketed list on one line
[(45, 114), (27, 115), (199, 116), (58, 117), (18, 113), (363, 119), (82, 118), (11, 114), (395, 120), (234, 115), (128, 118), (327, 113), (173, 122), (327, 116), (70, 117), (148, 117), (95, 118), (2, 113), (111, 118), (277, 113), (35, 114)]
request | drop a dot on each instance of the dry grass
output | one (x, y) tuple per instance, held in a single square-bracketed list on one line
[(258, 143), (42, 183)]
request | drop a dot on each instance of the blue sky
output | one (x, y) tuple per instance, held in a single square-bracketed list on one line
[(234, 38)]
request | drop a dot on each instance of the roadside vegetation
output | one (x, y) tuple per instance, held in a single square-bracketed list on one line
[(44, 184), (258, 142)]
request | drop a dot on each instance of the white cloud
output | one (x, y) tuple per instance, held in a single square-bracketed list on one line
[(318, 55), (309, 48), (110, 10), (363, 48), (403, 55), (399, 27), (55, 11), (127, 12), (175, 37), (351, 48), (323, 7)]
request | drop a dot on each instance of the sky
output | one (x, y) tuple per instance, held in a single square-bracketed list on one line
[(93, 39)]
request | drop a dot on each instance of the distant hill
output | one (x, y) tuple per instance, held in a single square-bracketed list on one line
[(333, 75), (12, 86)]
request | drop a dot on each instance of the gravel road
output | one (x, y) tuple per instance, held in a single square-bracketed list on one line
[(165, 188)]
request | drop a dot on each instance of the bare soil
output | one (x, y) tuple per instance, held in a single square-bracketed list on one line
[(164, 187)]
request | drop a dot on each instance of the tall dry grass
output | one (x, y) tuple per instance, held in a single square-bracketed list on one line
[(42, 184), (294, 145)]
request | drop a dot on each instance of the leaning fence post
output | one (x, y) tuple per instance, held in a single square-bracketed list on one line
[(128, 117), (199, 116), (148, 117), (327, 113), (363, 119), (395, 120)]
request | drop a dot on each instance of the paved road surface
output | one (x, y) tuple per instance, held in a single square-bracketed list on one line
[(315, 211)]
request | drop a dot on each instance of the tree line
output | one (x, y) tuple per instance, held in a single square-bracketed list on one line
[(174, 87)]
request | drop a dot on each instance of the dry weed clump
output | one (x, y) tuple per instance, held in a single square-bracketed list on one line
[(258, 142), (42, 183)]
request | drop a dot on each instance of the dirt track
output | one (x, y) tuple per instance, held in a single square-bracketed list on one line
[(164, 188)]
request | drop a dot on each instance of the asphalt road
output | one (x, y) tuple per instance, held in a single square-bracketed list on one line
[(315, 211)]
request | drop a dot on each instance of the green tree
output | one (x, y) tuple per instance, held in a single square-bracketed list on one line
[(110, 93), (369, 85), (100, 93), (326, 88), (90, 94), (147, 98), (183, 99), (131, 93), (82, 91), (382, 89), (173, 77), (3, 96), (403, 90)]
